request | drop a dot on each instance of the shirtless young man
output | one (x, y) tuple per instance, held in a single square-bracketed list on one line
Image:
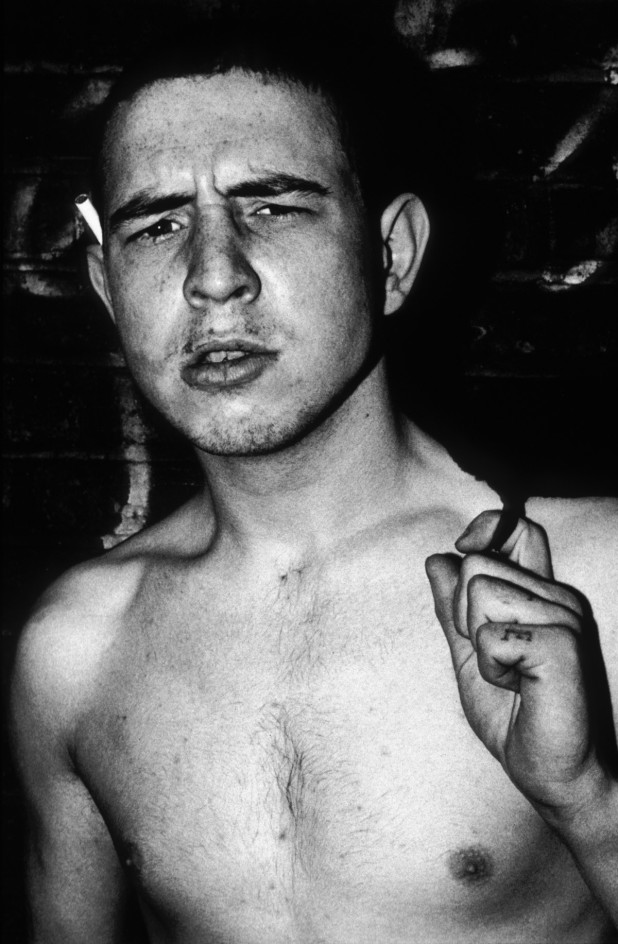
[(246, 718)]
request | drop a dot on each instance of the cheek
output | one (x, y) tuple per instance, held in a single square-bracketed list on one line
[(144, 309), (329, 293), (347, 328)]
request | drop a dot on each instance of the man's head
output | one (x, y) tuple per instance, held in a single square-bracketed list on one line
[(246, 261), (378, 92)]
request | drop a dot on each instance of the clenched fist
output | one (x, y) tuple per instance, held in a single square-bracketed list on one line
[(521, 643)]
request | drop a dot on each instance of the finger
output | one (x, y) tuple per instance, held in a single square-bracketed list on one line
[(499, 601), (475, 565), (544, 667), (443, 573), (507, 522), (511, 652), (527, 545)]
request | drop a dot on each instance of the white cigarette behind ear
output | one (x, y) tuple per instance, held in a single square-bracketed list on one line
[(85, 207)]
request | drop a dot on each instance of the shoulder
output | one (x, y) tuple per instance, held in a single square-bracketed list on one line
[(78, 619), (83, 601), (63, 645), (62, 649)]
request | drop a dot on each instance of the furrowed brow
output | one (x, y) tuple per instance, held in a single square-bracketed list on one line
[(276, 185), (144, 204)]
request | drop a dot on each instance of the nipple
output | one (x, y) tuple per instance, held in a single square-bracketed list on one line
[(472, 866)]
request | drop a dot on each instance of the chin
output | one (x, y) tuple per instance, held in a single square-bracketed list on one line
[(260, 440), (239, 448), (252, 435)]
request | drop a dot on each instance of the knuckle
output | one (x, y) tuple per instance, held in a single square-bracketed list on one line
[(480, 583), (566, 618), (573, 602), (484, 638), (570, 636), (575, 625), (472, 565)]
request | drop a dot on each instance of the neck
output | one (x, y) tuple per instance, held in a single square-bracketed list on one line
[(342, 476)]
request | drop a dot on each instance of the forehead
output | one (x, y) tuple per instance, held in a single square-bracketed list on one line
[(221, 126)]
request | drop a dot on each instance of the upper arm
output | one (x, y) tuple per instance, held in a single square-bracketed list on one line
[(77, 889)]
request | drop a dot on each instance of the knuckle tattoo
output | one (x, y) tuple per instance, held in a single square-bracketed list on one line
[(521, 635)]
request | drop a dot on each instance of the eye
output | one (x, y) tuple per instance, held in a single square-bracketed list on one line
[(279, 210), (158, 232)]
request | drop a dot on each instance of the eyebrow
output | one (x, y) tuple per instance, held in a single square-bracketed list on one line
[(149, 202), (275, 185), (146, 203)]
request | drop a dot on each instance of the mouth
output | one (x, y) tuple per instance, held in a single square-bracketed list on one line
[(219, 365)]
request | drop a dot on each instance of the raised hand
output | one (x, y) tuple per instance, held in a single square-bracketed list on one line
[(520, 645)]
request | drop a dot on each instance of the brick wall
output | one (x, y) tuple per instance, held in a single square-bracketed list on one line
[(510, 347)]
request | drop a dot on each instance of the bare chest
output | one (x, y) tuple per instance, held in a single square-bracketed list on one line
[(311, 764)]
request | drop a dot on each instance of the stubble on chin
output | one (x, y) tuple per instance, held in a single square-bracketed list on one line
[(252, 440)]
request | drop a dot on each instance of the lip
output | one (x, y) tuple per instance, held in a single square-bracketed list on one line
[(201, 375)]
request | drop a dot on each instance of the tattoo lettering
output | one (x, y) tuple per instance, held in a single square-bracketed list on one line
[(523, 635)]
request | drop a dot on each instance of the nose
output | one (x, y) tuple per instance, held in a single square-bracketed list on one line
[(218, 267)]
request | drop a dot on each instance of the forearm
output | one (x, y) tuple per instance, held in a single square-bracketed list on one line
[(591, 835)]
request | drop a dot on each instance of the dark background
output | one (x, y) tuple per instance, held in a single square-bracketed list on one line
[(508, 352)]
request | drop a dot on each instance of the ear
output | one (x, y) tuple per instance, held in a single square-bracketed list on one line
[(405, 231), (98, 276)]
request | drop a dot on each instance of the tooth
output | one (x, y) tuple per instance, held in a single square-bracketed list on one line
[(215, 357), (234, 355)]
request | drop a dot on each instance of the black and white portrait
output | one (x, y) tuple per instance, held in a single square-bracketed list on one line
[(311, 505)]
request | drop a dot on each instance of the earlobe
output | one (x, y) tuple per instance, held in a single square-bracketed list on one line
[(405, 231), (98, 277)]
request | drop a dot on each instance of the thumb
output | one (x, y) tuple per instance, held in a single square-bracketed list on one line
[(443, 573), (526, 546)]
